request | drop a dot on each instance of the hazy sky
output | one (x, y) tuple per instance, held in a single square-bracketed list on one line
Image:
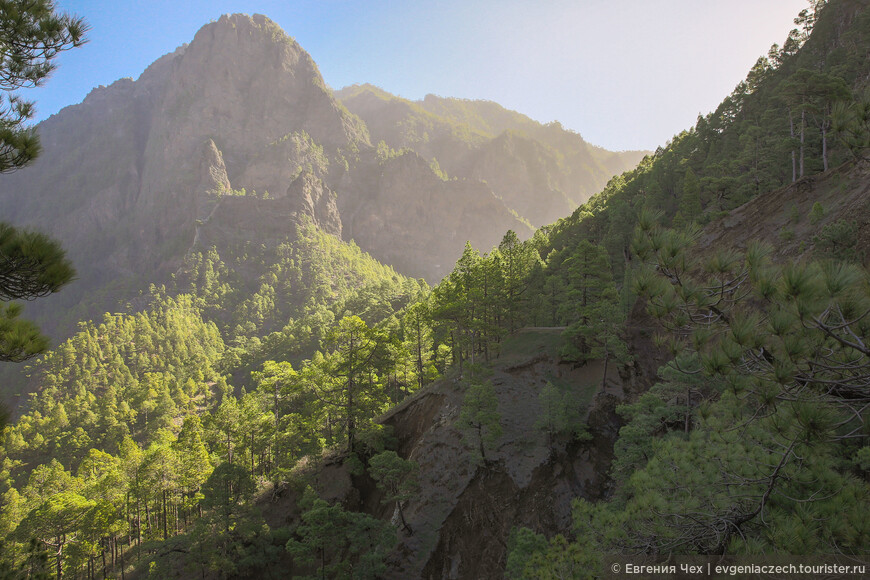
[(625, 74)]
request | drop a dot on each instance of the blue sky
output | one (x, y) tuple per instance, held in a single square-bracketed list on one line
[(625, 74)]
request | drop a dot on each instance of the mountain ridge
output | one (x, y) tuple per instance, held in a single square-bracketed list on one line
[(481, 140)]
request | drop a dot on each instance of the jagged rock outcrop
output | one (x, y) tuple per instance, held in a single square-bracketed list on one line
[(308, 196), (213, 179), (246, 85)]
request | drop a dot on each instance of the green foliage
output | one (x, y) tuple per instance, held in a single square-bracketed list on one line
[(752, 143), (345, 379), (34, 565), (486, 297), (479, 419), (57, 522), (523, 545), (593, 298), (19, 339), (837, 241), (744, 445), (397, 478), (339, 543), (851, 124), (531, 556), (33, 34), (436, 169), (816, 213), (33, 265), (560, 412), (227, 489), (150, 433)]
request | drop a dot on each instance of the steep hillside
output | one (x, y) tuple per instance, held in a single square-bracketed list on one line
[(462, 515), (409, 217), (801, 111), (822, 216), (125, 175)]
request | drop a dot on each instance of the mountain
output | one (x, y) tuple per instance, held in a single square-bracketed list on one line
[(540, 171), (128, 177)]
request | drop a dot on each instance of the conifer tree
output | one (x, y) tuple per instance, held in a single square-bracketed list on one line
[(351, 389), (593, 305), (517, 260), (479, 418), (341, 544), (57, 523), (32, 33), (397, 478)]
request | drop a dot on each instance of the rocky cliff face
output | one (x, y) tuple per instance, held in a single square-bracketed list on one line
[(249, 88), (461, 517), (125, 175)]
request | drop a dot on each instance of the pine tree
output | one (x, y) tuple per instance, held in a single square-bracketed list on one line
[(517, 260), (479, 418), (397, 478), (351, 390), (594, 307), (32, 33)]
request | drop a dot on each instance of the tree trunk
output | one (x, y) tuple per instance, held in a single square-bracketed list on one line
[(148, 516), (277, 419), (793, 157), (165, 518), (419, 353), (59, 555), (480, 442), (688, 409), (824, 127), (553, 299), (803, 126), (402, 518), (138, 531)]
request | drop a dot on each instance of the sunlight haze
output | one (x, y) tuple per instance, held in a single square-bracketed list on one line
[(625, 75)]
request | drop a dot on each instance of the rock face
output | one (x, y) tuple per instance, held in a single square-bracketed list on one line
[(410, 218), (466, 506), (249, 88), (307, 195), (140, 161)]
